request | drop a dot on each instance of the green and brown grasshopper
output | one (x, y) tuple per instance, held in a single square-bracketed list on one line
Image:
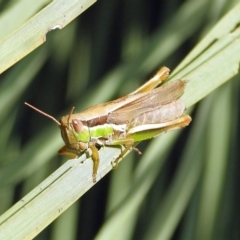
[(143, 114)]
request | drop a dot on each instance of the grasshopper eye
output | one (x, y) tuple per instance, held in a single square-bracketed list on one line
[(77, 125)]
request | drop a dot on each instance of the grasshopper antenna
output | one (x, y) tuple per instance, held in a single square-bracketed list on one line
[(43, 113), (70, 114)]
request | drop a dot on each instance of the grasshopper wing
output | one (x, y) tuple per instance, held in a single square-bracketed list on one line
[(148, 102)]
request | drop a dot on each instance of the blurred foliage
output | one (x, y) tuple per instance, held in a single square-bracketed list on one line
[(105, 53)]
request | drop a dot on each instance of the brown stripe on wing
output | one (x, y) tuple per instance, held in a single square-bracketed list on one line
[(148, 101)]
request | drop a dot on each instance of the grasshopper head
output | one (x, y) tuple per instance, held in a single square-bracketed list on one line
[(74, 133), (68, 131)]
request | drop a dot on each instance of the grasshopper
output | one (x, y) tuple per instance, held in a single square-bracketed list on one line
[(143, 114)]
